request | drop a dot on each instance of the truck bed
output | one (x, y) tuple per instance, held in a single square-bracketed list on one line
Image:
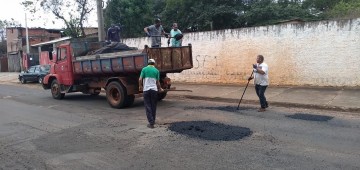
[(168, 60)]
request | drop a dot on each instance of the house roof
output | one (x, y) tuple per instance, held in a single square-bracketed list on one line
[(51, 42)]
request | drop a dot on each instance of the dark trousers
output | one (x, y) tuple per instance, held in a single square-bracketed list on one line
[(150, 101), (260, 91)]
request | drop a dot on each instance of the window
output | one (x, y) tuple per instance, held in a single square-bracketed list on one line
[(37, 70), (61, 54), (31, 69)]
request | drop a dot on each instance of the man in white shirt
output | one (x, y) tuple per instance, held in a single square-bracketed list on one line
[(261, 81)]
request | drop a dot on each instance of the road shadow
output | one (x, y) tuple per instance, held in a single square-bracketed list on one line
[(207, 130), (220, 108), (310, 117), (83, 97)]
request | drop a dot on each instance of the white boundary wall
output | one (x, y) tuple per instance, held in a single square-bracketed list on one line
[(325, 53)]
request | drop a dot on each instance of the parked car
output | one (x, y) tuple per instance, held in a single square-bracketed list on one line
[(34, 74)]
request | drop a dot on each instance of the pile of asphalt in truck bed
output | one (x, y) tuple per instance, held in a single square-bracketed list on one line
[(210, 131)]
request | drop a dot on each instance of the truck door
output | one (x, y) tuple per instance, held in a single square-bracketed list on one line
[(62, 67)]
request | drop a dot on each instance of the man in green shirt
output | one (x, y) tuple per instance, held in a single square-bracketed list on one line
[(149, 83)]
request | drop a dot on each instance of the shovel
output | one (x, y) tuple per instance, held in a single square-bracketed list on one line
[(244, 90)]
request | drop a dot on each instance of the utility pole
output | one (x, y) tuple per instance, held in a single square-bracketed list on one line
[(27, 36), (100, 16)]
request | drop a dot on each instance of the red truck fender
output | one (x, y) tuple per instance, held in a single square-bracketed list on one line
[(48, 79)]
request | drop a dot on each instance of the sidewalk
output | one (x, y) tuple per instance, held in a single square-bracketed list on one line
[(9, 77), (336, 99)]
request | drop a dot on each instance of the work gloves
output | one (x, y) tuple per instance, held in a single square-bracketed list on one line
[(148, 34), (255, 66)]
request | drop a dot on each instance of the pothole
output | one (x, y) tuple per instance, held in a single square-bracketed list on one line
[(310, 117), (207, 130)]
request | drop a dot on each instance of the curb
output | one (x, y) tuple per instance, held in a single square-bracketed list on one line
[(280, 104)]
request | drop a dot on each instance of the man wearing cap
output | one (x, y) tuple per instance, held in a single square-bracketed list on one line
[(155, 32), (149, 83)]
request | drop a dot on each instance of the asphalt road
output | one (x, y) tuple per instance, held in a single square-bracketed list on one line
[(83, 132)]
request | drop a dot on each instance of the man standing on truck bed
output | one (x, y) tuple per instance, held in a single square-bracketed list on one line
[(155, 32), (173, 33), (150, 84), (113, 33)]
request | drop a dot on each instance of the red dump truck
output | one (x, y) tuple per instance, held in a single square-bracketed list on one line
[(82, 65)]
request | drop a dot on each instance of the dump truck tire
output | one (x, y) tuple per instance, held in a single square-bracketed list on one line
[(55, 90), (116, 95), (161, 96)]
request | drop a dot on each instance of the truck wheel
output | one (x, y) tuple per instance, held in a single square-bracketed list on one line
[(129, 100), (55, 90), (161, 96), (115, 94), (22, 80)]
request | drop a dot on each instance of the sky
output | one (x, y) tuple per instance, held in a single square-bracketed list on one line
[(13, 9)]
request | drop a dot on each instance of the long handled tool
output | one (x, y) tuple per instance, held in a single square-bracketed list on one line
[(245, 90), (177, 36), (174, 89)]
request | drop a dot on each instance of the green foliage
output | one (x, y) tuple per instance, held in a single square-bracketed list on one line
[(344, 9), (320, 5), (269, 12), (134, 15), (222, 14), (206, 14)]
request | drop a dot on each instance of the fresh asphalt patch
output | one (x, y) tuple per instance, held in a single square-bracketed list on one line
[(220, 108), (207, 130), (310, 117)]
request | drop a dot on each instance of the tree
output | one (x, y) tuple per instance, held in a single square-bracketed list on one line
[(72, 15), (206, 14), (222, 14), (350, 9), (133, 14), (320, 5)]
